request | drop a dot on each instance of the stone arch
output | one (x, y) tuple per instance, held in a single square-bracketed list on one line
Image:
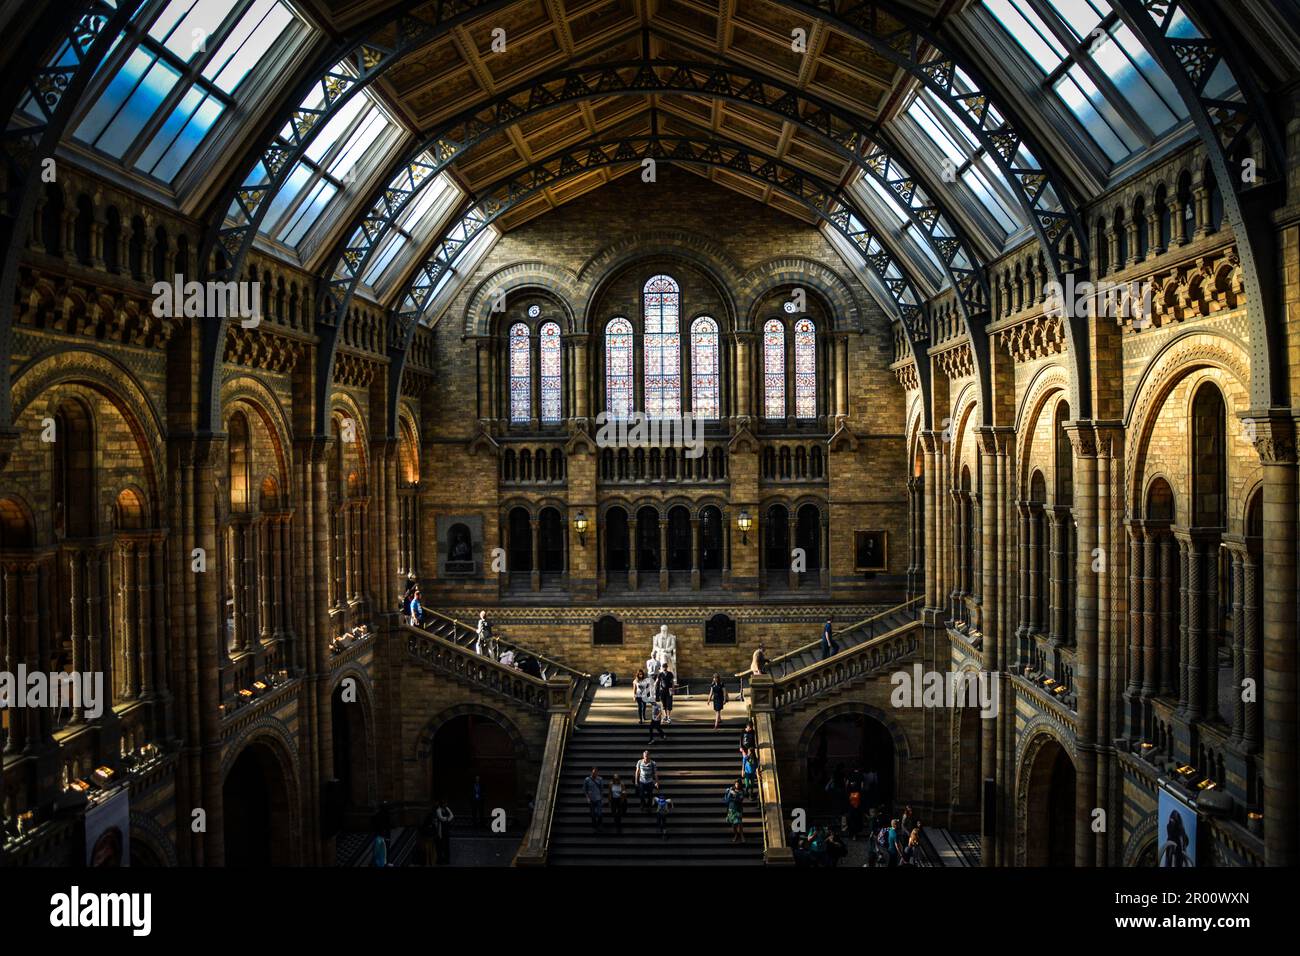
[(147, 830), (256, 394), (115, 383), (366, 700), (553, 282), (1144, 835), (1046, 390), (838, 296), (1180, 358), (424, 743), (1039, 732), (701, 252), (819, 719), (272, 735)]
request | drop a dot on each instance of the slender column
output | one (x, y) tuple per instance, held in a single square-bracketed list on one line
[(1083, 437), (1237, 557), (1169, 560), (931, 548), (1154, 599), (1026, 587), (1037, 568), (1057, 597), (1184, 568), (535, 577), (1251, 649), (1197, 566), (744, 408), (580, 393), (483, 351), (634, 552), (1137, 612), (1277, 450), (695, 553), (77, 635), (663, 553), (130, 635), (143, 683)]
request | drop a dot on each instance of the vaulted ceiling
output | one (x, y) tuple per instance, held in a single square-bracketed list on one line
[(461, 70)]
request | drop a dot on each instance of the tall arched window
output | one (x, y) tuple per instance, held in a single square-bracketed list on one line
[(663, 348), (521, 375), (805, 369), (549, 345), (774, 369), (705, 402), (618, 368)]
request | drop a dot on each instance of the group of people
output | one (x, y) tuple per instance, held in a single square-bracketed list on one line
[(653, 690), (646, 777)]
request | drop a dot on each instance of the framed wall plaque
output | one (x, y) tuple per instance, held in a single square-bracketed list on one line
[(871, 550)]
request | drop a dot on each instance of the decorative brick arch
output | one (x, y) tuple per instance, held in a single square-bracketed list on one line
[(1046, 384), (902, 751), (272, 734), (843, 304), (147, 830), (117, 385), (707, 255), (366, 701), (424, 743), (1144, 834), (1185, 355), (1037, 733), (556, 283), (254, 392)]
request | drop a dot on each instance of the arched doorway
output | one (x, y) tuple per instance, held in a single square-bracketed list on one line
[(469, 746), (808, 536), (351, 755), (647, 540), (776, 546), (842, 745), (550, 545), (616, 547), (679, 544), (255, 802), (1049, 808), (970, 772), (710, 545), (520, 553)]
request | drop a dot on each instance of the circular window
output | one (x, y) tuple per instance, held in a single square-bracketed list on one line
[(534, 311)]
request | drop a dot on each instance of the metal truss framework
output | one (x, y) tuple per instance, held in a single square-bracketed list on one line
[(848, 136), (901, 40), (820, 197), (1179, 35), (60, 71)]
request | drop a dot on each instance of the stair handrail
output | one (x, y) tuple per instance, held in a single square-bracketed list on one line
[(837, 663), (536, 844), (510, 645), (491, 664), (761, 707), (811, 645)]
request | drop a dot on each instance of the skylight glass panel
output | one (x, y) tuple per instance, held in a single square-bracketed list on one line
[(1030, 32), (175, 80)]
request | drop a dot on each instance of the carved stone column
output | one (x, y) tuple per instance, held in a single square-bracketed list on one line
[(695, 553), (535, 575)]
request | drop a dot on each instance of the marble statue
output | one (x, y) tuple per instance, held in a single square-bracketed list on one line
[(665, 649)]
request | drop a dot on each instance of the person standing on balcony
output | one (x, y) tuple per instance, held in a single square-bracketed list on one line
[(483, 635), (417, 609)]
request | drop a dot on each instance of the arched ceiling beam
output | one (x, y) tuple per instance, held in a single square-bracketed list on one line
[(1179, 35), (818, 196), (340, 73), (852, 139), (58, 77), (895, 33)]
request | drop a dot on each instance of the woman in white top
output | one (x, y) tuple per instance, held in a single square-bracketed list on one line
[(643, 691)]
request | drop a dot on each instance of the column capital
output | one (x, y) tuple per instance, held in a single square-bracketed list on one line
[(1272, 432)]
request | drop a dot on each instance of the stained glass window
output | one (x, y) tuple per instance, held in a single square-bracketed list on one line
[(774, 369), (704, 368), (805, 369), (618, 368), (663, 348), (179, 77), (521, 375), (550, 378)]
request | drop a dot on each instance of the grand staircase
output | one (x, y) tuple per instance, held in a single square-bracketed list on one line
[(696, 764), (847, 638)]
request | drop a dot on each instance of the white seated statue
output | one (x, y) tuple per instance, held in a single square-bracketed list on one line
[(665, 649)]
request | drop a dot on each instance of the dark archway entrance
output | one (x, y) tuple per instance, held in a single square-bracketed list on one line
[(846, 743), (970, 770), (351, 755), (468, 746), (1049, 810), (256, 810), (616, 546)]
